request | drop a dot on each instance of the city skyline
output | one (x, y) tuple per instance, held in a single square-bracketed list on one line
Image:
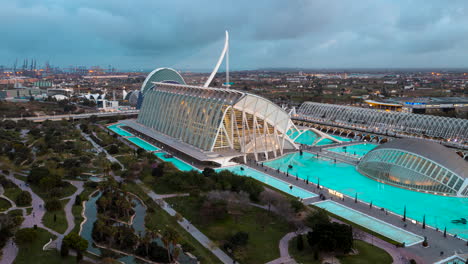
[(183, 34)]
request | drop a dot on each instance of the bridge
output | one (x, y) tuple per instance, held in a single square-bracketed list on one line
[(74, 116)]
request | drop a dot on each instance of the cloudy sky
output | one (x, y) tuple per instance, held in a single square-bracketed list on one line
[(188, 34)]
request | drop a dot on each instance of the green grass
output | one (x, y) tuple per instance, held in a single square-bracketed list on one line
[(306, 256), (67, 190), (160, 220), (12, 193), (367, 254), (4, 204), (265, 230), (61, 224), (33, 252), (76, 210)]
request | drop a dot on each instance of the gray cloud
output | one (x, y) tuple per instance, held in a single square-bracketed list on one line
[(264, 33)]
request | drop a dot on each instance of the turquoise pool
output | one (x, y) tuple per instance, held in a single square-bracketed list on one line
[(358, 150), (177, 162), (309, 137), (142, 144), (273, 182), (439, 210), (374, 224), (116, 128)]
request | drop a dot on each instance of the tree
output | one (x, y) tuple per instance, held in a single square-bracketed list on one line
[(297, 206), (64, 250), (239, 239), (300, 243), (25, 236), (75, 241), (331, 237), (23, 199), (37, 173), (113, 149), (79, 256), (170, 237), (93, 118), (319, 216), (78, 200), (53, 205)]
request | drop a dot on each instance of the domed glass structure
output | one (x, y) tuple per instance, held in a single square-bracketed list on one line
[(417, 164)]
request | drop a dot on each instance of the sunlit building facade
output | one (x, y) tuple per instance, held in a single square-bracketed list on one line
[(419, 165)]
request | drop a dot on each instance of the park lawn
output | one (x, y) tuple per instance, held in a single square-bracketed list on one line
[(61, 224), (265, 229), (76, 211), (67, 190), (4, 204), (367, 254), (160, 220), (12, 193), (33, 252)]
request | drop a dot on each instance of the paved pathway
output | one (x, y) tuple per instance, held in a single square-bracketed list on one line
[(191, 229), (99, 149), (35, 218), (285, 258), (57, 243)]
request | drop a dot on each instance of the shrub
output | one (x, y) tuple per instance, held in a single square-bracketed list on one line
[(297, 206), (78, 200), (23, 199), (64, 250), (239, 239), (53, 205), (75, 241), (300, 243)]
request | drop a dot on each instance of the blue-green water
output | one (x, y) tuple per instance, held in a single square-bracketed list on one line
[(439, 210), (309, 138), (138, 225), (358, 150), (177, 162), (273, 182), (116, 128), (376, 225), (142, 144)]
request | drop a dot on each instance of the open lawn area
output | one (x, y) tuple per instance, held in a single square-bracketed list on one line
[(4, 204), (33, 253), (367, 254), (61, 224), (264, 229), (12, 193), (66, 191)]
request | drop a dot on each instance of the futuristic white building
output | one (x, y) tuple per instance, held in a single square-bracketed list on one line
[(213, 124), (417, 164)]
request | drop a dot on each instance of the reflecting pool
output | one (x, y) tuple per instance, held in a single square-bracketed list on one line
[(142, 144), (371, 223), (269, 180), (439, 210), (116, 128), (181, 165), (358, 150)]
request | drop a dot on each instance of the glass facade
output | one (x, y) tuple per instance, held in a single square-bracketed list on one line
[(213, 119), (410, 170)]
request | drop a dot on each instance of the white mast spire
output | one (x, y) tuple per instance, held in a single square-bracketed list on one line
[(220, 60)]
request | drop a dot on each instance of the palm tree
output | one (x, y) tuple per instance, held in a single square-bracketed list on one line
[(170, 237)]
